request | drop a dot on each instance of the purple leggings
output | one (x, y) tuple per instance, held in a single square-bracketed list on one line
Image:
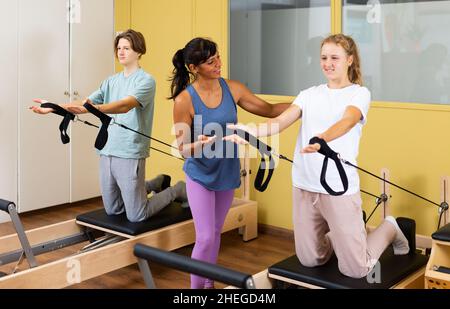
[(209, 209)]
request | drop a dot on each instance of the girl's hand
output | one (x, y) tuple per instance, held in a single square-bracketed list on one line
[(311, 148)]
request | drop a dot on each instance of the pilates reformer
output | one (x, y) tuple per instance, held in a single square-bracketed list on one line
[(398, 272), (264, 279), (170, 229), (415, 270), (392, 271)]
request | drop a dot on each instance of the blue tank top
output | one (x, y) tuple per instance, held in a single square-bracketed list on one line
[(217, 167)]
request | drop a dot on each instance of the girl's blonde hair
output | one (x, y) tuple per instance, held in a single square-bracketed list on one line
[(347, 43)]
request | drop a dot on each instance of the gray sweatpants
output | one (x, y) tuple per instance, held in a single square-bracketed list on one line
[(122, 183), (323, 223)]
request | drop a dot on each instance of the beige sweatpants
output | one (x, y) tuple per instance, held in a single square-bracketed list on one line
[(323, 223)]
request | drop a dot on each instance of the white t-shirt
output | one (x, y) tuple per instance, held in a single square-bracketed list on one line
[(321, 108)]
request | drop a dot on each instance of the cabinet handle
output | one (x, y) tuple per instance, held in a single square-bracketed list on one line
[(75, 93), (66, 93)]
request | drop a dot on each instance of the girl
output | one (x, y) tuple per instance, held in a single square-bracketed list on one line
[(336, 113)]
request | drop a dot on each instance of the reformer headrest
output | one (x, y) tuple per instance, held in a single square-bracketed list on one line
[(443, 234), (67, 117), (330, 153), (102, 136)]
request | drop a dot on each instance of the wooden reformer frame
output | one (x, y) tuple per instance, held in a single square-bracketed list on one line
[(58, 274)]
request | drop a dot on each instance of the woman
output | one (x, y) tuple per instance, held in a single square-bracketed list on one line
[(336, 113), (129, 96), (204, 104)]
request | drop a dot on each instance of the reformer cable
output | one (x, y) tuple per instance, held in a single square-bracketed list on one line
[(145, 135), (329, 153), (109, 120), (378, 200), (263, 148), (442, 206), (75, 118), (393, 184), (368, 193)]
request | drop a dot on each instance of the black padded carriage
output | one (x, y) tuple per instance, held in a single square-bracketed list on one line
[(393, 269), (171, 214)]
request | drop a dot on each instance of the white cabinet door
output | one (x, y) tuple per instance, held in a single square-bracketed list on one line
[(8, 103), (92, 61), (43, 70)]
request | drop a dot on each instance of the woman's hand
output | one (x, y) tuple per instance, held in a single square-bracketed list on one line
[(235, 138), (206, 139)]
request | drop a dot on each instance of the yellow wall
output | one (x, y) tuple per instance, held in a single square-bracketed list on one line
[(408, 139), (122, 14), (122, 19)]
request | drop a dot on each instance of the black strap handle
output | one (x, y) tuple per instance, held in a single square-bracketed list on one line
[(4, 205), (67, 117), (259, 184), (265, 151), (186, 264), (330, 154), (102, 136)]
